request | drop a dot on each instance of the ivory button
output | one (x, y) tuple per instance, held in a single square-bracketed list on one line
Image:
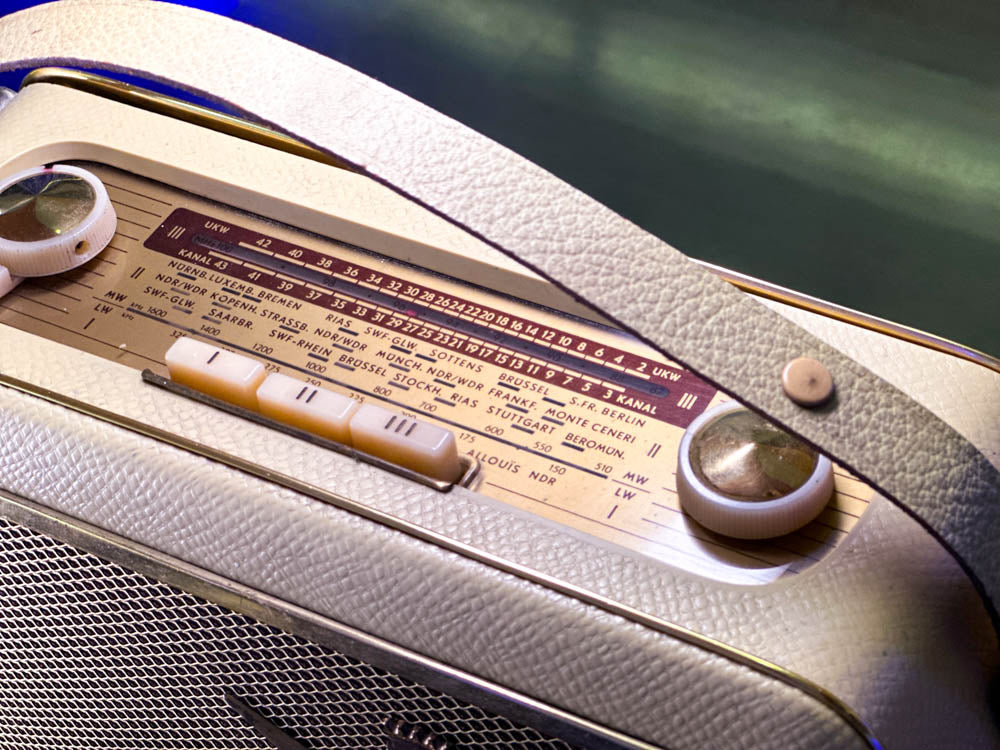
[(420, 446), (307, 407), (226, 376), (807, 382)]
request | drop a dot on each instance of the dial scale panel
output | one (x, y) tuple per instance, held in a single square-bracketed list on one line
[(570, 420)]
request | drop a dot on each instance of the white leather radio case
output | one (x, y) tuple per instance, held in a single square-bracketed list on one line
[(888, 639)]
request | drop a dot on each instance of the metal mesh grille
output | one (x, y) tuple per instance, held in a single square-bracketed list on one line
[(95, 656)]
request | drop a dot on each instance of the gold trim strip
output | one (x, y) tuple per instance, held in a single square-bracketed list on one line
[(846, 315), (239, 128), (738, 656), (161, 104)]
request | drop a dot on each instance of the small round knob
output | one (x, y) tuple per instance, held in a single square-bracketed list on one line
[(807, 382), (742, 476), (53, 219)]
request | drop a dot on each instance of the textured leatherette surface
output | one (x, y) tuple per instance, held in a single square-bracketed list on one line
[(870, 624), (872, 428), (849, 625), (465, 613)]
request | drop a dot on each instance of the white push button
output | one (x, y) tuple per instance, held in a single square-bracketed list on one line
[(420, 446), (209, 369), (307, 407)]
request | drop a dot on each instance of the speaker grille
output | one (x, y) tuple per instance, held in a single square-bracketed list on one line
[(96, 656)]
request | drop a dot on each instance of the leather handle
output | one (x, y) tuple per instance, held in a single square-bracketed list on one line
[(624, 273)]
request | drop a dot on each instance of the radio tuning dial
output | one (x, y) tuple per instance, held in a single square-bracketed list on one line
[(53, 219), (741, 476)]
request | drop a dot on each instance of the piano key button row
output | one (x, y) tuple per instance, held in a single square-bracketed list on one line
[(411, 443)]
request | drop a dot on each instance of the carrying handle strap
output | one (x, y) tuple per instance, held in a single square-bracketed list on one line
[(620, 271)]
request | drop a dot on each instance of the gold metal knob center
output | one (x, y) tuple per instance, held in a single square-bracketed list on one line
[(744, 457)]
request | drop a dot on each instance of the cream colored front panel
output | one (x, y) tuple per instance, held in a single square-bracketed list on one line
[(572, 421)]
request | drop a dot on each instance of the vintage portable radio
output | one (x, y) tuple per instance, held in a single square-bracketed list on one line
[(291, 459)]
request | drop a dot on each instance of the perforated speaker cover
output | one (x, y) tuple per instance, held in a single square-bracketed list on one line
[(96, 656)]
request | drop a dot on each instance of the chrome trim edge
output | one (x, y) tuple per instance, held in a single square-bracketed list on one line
[(686, 635), (312, 626), (819, 306)]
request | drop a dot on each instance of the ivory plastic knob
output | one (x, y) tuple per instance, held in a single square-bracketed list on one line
[(53, 219), (741, 476)]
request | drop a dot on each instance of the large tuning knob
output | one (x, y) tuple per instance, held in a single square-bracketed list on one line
[(53, 219), (740, 475)]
